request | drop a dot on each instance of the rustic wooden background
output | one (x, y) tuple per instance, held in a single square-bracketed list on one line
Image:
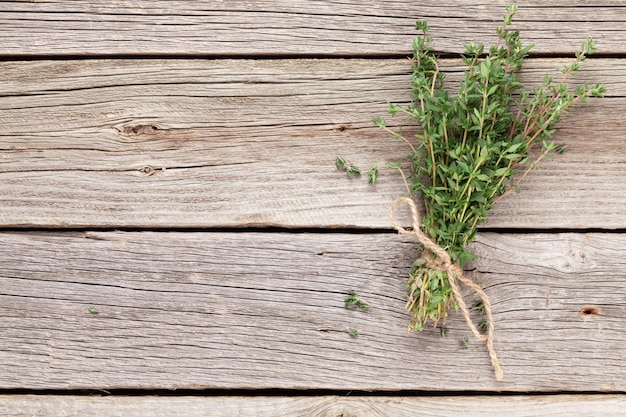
[(171, 164)]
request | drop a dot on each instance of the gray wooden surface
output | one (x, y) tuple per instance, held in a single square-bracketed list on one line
[(323, 406), (283, 27), (197, 126), (194, 143), (265, 310)]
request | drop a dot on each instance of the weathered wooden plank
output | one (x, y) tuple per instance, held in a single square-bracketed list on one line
[(293, 28), (191, 143), (354, 406), (256, 310)]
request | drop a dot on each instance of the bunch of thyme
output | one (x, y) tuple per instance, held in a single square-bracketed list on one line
[(475, 147)]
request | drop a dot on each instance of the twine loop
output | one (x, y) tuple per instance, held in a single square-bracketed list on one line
[(443, 262)]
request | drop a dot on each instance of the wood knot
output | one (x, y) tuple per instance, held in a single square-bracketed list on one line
[(147, 170), (140, 129)]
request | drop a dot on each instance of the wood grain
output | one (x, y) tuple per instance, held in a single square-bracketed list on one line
[(259, 310), (230, 143), (283, 28), (323, 406), (157, 136)]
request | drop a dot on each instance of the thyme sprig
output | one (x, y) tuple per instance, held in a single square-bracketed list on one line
[(476, 147)]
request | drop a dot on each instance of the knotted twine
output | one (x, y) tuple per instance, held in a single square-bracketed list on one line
[(443, 262)]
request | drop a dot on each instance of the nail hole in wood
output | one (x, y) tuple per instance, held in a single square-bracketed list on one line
[(342, 128), (590, 311)]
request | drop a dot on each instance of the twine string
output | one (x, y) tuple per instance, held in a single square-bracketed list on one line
[(443, 262)]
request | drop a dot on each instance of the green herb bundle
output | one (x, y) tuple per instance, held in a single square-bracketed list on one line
[(475, 147)]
